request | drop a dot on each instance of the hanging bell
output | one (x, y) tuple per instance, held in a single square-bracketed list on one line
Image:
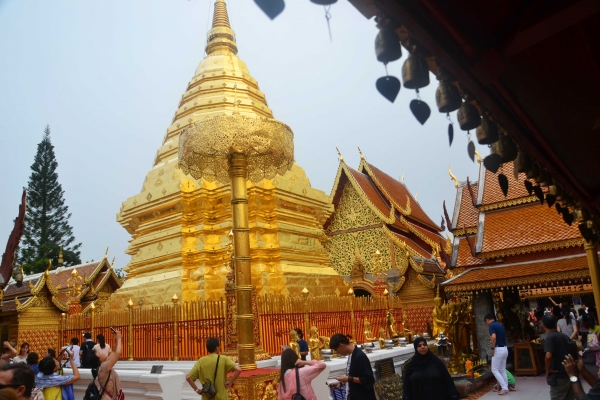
[(522, 162), (468, 117), (387, 46), (447, 97), (415, 72), (505, 148), (271, 7), (543, 179), (487, 132), (533, 171)]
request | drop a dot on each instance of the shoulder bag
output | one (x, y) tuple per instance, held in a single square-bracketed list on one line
[(209, 389), (297, 395)]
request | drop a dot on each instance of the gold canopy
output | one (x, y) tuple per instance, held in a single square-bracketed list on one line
[(205, 147)]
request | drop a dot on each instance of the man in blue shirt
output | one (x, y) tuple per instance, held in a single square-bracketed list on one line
[(499, 352), (302, 344)]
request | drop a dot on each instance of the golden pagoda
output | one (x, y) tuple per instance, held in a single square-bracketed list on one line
[(180, 225)]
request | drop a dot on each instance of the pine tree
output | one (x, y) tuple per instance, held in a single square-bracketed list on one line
[(47, 226)]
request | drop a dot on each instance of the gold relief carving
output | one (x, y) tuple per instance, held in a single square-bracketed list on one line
[(135, 202), (429, 283), (525, 280), (533, 248), (508, 203), (398, 285), (149, 197), (461, 232), (417, 267), (158, 182), (433, 244), (164, 192), (346, 215), (341, 249)]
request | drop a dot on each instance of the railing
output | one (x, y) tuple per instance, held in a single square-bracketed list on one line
[(179, 331)]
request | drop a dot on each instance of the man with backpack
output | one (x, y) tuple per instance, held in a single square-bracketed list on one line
[(86, 350), (212, 372)]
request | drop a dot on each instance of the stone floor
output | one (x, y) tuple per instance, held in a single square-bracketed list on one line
[(530, 388)]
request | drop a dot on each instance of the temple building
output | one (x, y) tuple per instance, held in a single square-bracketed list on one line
[(31, 311), (380, 238), (511, 250), (180, 226)]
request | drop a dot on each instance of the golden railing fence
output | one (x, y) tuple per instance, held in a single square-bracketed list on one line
[(152, 330)]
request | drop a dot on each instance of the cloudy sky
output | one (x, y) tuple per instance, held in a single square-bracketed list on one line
[(107, 77)]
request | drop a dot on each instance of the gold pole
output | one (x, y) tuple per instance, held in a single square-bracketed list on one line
[(591, 248), (238, 172), (130, 331), (63, 318), (352, 318), (175, 301), (93, 308), (306, 322)]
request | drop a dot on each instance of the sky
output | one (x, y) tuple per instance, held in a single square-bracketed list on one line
[(108, 76)]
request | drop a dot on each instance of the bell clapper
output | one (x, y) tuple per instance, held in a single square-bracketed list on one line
[(450, 129), (328, 17)]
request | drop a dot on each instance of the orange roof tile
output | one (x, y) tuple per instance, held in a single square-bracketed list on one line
[(368, 187), (524, 225), (419, 248), (468, 215), (61, 277), (510, 275), (435, 237), (398, 191), (491, 189), (465, 258), (431, 267)]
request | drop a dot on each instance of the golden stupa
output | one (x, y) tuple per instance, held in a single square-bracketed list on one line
[(180, 226)]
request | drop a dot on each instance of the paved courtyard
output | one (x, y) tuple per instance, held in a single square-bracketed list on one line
[(530, 388)]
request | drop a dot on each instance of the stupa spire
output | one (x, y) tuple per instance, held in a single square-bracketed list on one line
[(221, 37)]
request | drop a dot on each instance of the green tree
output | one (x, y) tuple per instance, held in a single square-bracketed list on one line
[(47, 228)]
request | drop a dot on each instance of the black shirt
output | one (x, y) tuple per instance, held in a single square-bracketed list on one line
[(558, 345), (360, 367), (86, 351)]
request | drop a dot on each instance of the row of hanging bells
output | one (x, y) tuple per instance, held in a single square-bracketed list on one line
[(415, 72), (275, 7)]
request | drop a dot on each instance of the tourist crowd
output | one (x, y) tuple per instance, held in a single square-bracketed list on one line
[(24, 376)]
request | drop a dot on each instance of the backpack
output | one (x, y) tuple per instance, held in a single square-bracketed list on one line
[(297, 395), (92, 393), (86, 350)]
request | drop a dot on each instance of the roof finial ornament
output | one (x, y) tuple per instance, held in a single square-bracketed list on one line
[(339, 153), (453, 177), (112, 264), (403, 177), (478, 157), (106, 252), (417, 196), (362, 156)]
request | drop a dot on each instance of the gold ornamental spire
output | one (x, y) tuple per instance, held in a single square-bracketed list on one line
[(220, 37)]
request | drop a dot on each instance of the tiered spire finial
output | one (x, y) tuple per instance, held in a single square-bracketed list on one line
[(220, 37)]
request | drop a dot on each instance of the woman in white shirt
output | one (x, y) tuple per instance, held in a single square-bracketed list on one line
[(101, 347), (22, 356)]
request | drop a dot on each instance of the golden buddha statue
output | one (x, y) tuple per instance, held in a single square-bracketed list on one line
[(382, 338), (407, 333), (294, 342), (438, 324), (368, 335), (314, 344), (391, 325)]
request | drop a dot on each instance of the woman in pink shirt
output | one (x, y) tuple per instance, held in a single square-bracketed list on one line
[(307, 370)]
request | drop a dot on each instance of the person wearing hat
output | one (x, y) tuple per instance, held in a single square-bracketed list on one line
[(86, 350)]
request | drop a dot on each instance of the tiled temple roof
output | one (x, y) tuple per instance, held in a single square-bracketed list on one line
[(525, 226), (398, 192), (537, 272)]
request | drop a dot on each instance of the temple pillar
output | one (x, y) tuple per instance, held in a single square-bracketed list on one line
[(482, 304), (591, 249)]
